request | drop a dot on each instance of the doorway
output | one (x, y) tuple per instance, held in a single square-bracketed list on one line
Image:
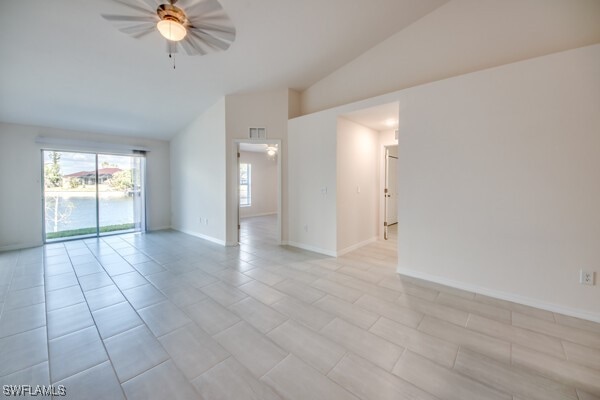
[(390, 192), (92, 194), (259, 193)]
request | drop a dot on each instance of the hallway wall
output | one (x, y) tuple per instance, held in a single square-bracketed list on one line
[(498, 180)]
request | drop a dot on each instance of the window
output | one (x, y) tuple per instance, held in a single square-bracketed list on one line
[(245, 185), (92, 194)]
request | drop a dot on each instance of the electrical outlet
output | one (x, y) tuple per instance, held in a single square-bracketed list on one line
[(586, 277), (206, 220)]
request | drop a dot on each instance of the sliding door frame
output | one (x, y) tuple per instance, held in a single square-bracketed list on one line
[(142, 174)]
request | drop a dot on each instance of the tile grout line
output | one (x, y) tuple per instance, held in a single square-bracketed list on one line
[(143, 372), (141, 319), (467, 321), (270, 369), (93, 319), (562, 346), (10, 282), (46, 310)]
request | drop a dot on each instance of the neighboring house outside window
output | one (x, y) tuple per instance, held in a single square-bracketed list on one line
[(245, 185)]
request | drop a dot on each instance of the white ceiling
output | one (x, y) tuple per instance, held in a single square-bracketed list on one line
[(64, 66), (377, 118)]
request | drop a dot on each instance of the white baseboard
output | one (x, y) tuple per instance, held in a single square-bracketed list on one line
[(159, 228), (331, 253), (348, 249), (21, 246), (498, 294), (314, 249), (202, 236)]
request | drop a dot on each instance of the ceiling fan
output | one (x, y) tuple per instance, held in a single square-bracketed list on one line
[(199, 28)]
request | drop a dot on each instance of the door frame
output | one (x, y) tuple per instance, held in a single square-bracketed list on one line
[(236, 195), (96, 153), (382, 185)]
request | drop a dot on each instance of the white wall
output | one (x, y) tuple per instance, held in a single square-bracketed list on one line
[(498, 175), (263, 184), (269, 110), (203, 161), (499, 172), (459, 37), (20, 181), (294, 103), (312, 177), (198, 179), (357, 185)]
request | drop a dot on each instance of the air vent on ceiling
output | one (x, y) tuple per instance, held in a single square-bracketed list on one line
[(257, 133)]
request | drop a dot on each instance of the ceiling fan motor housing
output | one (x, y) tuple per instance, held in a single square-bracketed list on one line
[(172, 13)]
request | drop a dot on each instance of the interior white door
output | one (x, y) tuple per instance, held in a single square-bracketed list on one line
[(391, 184), (239, 225)]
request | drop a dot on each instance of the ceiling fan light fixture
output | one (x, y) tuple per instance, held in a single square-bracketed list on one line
[(271, 150), (171, 30)]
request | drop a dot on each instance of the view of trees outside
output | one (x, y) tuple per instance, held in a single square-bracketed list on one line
[(118, 191), (70, 192), (52, 174)]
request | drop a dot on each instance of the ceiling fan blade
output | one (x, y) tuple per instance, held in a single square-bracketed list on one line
[(202, 7), (137, 29), (134, 7), (190, 47), (143, 33), (127, 18), (152, 4), (222, 32), (213, 27), (211, 40)]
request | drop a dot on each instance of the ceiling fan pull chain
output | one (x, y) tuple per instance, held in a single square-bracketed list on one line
[(173, 57)]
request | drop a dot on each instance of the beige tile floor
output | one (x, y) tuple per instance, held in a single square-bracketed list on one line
[(166, 315)]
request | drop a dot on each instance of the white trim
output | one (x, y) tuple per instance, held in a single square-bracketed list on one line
[(331, 253), (515, 298), (314, 249), (382, 181), (234, 207), (259, 215), (21, 246), (356, 246), (201, 236), (66, 144), (159, 228)]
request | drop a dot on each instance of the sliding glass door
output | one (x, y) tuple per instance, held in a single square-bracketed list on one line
[(69, 194), (90, 194), (120, 205)]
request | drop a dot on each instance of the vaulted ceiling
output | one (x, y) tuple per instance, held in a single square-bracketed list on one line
[(64, 66)]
